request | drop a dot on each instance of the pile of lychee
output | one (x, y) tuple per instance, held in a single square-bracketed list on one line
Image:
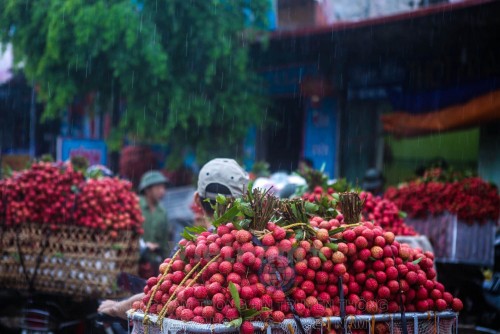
[(272, 271)]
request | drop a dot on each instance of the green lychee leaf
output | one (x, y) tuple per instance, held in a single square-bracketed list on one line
[(336, 230), (235, 295), (311, 207), (245, 208), (196, 229), (372, 258), (417, 261), (402, 214), (116, 247), (299, 235), (188, 236), (332, 246), (249, 313), (245, 224), (221, 199), (235, 323), (336, 196), (227, 216), (322, 257)]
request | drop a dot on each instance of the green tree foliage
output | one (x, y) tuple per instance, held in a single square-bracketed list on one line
[(182, 66)]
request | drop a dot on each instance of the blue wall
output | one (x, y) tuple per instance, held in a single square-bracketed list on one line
[(320, 143)]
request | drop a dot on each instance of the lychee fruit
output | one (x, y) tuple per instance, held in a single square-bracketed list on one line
[(339, 269), (457, 305), (300, 309), (384, 292), (225, 267), (200, 292), (321, 277), (186, 315), (440, 305), (208, 312), (299, 254), (349, 235), (227, 252), (422, 306), (322, 235), (338, 257), (232, 313), (279, 233), (361, 242), (359, 266), (371, 307), (268, 240), (317, 310), (278, 316), (255, 303), (307, 286), (299, 294), (234, 278), (247, 293), (364, 254), (371, 284), (314, 263), (247, 258), (243, 236), (380, 276), (377, 252), (246, 328), (279, 296)]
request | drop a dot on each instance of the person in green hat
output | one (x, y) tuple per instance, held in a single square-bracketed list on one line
[(157, 232)]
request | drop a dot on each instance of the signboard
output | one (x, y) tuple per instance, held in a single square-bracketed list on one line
[(321, 135), (95, 151), (287, 80)]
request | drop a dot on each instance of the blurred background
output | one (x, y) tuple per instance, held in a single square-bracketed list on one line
[(389, 84)]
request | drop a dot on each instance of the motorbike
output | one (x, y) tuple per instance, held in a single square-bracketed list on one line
[(50, 314)]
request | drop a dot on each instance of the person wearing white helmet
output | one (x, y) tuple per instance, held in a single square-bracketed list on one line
[(218, 176)]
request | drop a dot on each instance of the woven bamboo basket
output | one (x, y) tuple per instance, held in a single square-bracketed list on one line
[(73, 261), (416, 323)]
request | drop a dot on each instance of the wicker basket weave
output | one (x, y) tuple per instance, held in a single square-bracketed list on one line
[(73, 261), (416, 323)]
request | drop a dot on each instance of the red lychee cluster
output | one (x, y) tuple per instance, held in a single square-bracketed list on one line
[(384, 213), (373, 268), (55, 195)]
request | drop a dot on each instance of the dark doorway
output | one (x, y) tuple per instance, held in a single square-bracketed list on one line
[(284, 134)]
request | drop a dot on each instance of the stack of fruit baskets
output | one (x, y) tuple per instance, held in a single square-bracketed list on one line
[(64, 233), (287, 266), (455, 211)]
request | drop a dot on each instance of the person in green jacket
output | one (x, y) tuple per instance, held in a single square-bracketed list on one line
[(157, 232)]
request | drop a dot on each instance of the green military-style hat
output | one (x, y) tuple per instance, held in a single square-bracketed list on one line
[(151, 178)]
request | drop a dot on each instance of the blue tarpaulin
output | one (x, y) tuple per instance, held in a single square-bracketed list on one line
[(422, 102)]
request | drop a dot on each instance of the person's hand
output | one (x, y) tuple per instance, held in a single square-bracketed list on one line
[(114, 308), (152, 246)]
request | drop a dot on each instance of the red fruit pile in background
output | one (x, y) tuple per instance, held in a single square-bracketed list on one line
[(382, 212), (374, 268), (317, 194), (385, 213), (57, 195), (108, 204), (471, 199)]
